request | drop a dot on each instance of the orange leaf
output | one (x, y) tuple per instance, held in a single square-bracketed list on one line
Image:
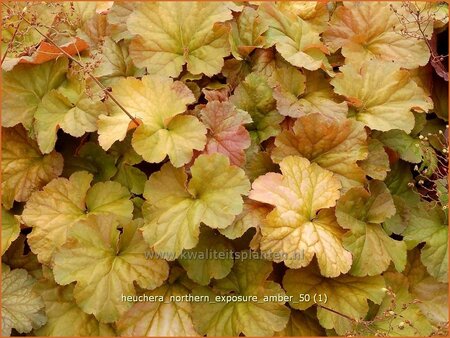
[(132, 125), (47, 51)]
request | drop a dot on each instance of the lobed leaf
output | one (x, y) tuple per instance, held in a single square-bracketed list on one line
[(302, 224), (22, 307), (104, 262), (248, 278), (63, 202), (381, 94), (24, 168), (337, 290), (175, 208), (191, 33)]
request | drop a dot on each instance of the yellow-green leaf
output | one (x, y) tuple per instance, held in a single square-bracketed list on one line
[(170, 35), (429, 224), (247, 33), (24, 87), (408, 147), (297, 96), (338, 291), (22, 307), (211, 258), (376, 165), (252, 318), (294, 38), (255, 96), (117, 19), (361, 212), (115, 62), (10, 229), (157, 102), (104, 261), (381, 94), (403, 309), (64, 316), (63, 202), (24, 168), (69, 108), (174, 208)]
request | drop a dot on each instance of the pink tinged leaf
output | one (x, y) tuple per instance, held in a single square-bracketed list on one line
[(270, 189), (221, 94), (226, 132)]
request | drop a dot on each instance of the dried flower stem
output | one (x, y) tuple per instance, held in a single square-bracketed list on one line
[(11, 42), (94, 78)]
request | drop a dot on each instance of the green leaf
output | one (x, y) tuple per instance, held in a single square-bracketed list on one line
[(24, 168), (90, 157), (376, 165), (25, 86), (433, 295), (127, 175), (442, 191), (174, 208), (302, 323), (254, 95), (419, 324), (405, 197), (252, 318), (337, 291), (63, 202), (361, 212), (104, 262), (428, 224), (22, 307), (409, 148), (200, 267), (131, 177)]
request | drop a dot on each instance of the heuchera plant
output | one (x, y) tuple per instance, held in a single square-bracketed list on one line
[(307, 139)]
